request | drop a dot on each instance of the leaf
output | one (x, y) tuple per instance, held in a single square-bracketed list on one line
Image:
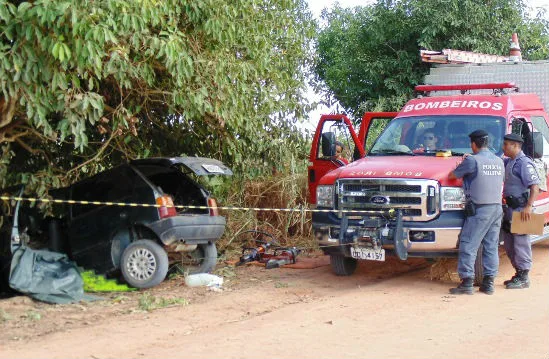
[(4, 12), (24, 6), (95, 103), (55, 50), (61, 52), (66, 51)]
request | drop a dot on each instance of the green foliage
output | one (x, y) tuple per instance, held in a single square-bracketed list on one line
[(86, 85), (369, 56)]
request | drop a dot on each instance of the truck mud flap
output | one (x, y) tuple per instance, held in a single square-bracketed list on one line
[(400, 248)]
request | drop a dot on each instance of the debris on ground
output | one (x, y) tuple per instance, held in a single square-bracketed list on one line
[(203, 280), (94, 282), (268, 252)]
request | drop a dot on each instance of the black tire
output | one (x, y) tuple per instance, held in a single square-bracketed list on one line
[(202, 260), (343, 266), (144, 264), (479, 267)]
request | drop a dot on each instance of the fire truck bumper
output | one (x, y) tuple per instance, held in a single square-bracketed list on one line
[(432, 239)]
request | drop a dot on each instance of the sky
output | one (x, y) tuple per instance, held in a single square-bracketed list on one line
[(316, 7)]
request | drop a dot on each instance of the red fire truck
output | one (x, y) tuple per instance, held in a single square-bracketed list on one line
[(394, 196)]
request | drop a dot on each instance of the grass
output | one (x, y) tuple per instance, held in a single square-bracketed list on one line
[(32, 315), (148, 302), (4, 316), (281, 190), (281, 285)]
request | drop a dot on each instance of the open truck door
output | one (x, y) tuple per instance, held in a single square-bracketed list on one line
[(333, 131), (332, 128), (373, 123)]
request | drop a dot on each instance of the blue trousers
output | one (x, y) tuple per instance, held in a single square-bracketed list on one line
[(481, 229), (517, 246)]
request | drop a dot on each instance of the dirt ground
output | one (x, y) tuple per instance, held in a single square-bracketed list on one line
[(385, 310)]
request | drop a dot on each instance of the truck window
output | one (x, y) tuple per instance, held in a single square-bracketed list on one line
[(343, 138), (541, 126), (427, 134), (377, 126)]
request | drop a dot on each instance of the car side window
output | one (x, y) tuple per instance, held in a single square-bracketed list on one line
[(111, 186)]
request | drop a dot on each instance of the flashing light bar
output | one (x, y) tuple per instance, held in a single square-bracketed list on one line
[(466, 87)]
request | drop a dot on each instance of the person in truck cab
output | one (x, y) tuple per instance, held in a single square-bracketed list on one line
[(339, 152), (520, 191), (430, 142), (482, 174)]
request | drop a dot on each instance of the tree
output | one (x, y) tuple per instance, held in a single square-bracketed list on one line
[(89, 84), (369, 56)]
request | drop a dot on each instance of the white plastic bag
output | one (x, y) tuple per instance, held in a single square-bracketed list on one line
[(203, 279)]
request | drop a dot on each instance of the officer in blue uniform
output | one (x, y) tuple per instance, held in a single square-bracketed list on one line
[(482, 175), (520, 190)]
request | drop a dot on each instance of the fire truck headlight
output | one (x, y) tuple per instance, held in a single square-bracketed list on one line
[(325, 196), (453, 198)]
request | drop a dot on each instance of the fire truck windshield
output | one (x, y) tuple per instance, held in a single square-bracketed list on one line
[(424, 135)]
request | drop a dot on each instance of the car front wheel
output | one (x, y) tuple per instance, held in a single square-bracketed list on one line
[(144, 264)]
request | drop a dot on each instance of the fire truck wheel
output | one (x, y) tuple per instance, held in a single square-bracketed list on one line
[(479, 268), (342, 266)]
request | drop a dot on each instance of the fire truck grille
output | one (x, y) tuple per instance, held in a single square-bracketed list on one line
[(417, 199), (392, 200)]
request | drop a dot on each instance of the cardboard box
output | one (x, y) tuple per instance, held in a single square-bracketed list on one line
[(533, 226)]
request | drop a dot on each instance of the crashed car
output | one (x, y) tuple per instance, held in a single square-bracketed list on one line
[(138, 241)]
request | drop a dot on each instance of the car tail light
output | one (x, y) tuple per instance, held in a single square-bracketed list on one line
[(212, 204), (167, 209)]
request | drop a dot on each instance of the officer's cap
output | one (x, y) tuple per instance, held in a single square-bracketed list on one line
[(513, 137), (478, 134)]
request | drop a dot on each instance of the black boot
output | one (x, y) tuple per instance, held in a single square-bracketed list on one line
[(487, 285), (512, 278), (521, 281), (465, 287)]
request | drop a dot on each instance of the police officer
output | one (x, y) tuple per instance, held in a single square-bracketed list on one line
[(520, 190), (482, 175)]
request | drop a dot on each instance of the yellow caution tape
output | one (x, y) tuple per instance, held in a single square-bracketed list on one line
[(229, 208)]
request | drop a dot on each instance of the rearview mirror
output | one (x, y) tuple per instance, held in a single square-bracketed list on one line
[(328, 141)]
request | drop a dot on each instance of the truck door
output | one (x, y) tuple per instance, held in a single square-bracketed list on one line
[(533, 127), (334, 132), (373, 123)]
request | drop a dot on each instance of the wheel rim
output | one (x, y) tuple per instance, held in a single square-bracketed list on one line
[(141, 264)]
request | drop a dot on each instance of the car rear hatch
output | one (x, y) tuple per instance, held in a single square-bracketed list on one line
[(171, 175)]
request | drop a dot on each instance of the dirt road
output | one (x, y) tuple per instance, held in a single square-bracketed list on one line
[(386, 310)]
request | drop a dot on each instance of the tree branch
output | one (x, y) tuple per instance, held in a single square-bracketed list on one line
[(94, 158), (7, 110)]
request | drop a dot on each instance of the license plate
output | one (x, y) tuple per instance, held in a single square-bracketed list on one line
[(370, 254)]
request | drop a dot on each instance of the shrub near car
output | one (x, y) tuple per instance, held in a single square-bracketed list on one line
[(137, 239)]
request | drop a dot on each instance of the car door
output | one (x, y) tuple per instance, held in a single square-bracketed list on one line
[(93, 226)]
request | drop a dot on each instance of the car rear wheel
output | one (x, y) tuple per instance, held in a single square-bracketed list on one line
[(144, 264), (343, 266), (202, 260)]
